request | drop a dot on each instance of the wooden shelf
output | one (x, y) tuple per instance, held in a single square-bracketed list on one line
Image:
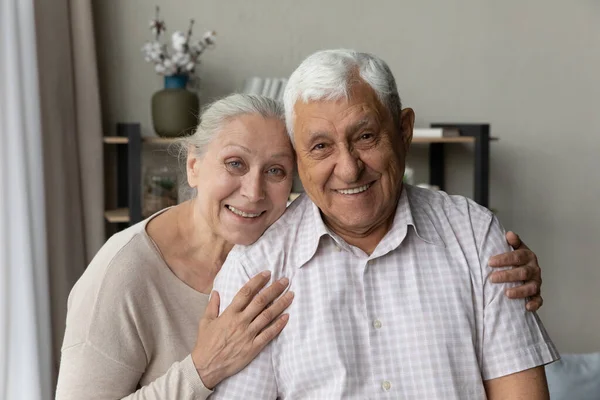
[(457, 139), (117, 216), (145, 139), (115, 140)]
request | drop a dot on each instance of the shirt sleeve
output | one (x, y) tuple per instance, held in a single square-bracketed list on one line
[(257, 380), (514, 339), (87, 373)]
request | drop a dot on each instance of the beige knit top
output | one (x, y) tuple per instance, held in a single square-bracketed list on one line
[(131, 326)]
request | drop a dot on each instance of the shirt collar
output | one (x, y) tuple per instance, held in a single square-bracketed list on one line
[(411, 212), (408, 213)]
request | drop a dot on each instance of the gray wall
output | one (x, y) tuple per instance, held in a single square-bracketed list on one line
[(527, 67)]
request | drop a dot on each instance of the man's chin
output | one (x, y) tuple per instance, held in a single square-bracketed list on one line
[(353, 223)]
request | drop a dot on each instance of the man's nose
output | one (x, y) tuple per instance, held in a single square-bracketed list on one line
[(349, 167), (253, 186)]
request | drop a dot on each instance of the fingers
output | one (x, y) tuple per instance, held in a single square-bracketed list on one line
[(245, 295), (528, 289), (513, 258), (268, 315), (264, 298), (519, 274), (212, 309), (535, 303), (267, 335), (513, 239)]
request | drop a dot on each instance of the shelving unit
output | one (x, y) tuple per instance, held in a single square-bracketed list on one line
[(479, 135), (129, 174), (129, 196)]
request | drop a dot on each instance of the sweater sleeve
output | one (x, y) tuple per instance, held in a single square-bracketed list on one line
[(116, 322), (87, 373)]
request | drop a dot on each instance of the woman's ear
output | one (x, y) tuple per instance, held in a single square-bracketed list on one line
[(192, 165)]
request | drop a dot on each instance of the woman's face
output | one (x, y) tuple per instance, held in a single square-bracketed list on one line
[(244, 178)]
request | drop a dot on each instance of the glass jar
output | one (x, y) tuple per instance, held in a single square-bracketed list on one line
[(160, 189)]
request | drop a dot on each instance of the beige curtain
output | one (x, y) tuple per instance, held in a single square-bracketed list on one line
[(72, 147)]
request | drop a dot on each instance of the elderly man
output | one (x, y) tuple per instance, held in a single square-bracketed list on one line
[(392, 291)]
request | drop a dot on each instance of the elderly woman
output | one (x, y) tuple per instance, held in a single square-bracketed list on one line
[(140, 323)]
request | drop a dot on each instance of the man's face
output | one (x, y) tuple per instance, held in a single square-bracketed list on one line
[(351, 159)]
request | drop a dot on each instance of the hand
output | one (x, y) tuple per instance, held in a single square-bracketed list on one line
[(227, 343), (525, 268)]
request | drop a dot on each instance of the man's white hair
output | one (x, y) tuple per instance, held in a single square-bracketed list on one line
[(329, 75)]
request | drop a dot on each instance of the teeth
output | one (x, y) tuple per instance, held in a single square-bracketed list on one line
[(355, 190), (242, 214)]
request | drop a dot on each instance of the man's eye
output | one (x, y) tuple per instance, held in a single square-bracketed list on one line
[(319, 146), (366, 136)]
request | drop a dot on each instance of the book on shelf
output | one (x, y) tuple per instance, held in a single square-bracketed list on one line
[(435, 132), (268, 87)]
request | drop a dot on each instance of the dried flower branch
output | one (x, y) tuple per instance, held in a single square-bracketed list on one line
[(185, 55)]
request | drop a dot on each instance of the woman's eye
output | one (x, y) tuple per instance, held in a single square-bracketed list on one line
[(276, 171), (234, 165)]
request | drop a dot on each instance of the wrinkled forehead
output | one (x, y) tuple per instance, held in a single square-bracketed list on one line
[(361, 104), (254, 133)]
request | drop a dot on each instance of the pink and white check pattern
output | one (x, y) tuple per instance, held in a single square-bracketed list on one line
[(417, 319)]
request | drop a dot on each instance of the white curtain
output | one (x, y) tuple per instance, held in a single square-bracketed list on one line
[(25, 339)]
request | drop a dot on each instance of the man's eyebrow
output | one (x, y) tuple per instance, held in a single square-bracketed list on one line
[(317, 135), (352, 129)]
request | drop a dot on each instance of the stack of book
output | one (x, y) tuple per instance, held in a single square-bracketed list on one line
[(435, 132), (269, 87)]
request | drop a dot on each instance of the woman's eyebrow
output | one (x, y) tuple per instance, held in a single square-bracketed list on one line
[(239, 146)]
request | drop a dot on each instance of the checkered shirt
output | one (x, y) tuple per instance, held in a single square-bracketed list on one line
[(416, 319)]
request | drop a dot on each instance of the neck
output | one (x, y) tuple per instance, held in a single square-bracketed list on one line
[(199, 244)]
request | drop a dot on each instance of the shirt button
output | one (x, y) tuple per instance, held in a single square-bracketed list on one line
[(337, 248), (370, 262), (386, 385), (377, 324)]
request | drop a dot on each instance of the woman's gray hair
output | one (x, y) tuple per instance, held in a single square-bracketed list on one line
[(328, 75), (215, 115)]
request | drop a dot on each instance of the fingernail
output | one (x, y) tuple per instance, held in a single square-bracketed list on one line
[(290, 295), (266, 273), (284, 281), (285, 317)]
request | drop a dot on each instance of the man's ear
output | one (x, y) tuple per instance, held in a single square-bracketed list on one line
[(407, 123)]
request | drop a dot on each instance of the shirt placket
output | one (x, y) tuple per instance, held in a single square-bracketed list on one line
[(382, 385)]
